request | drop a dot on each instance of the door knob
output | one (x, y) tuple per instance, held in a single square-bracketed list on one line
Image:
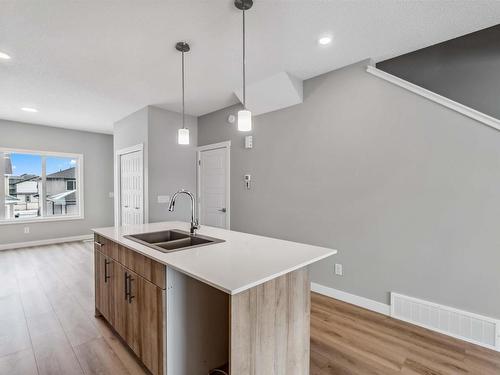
[(222, 209)]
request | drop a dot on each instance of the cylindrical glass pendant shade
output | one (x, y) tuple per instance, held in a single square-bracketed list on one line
[(244, 120), (183, 136)]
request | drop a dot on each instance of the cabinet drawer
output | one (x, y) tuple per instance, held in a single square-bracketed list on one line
[(146, 267), (101, 244)]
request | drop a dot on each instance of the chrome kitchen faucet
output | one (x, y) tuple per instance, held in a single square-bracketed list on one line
[(195, 223)]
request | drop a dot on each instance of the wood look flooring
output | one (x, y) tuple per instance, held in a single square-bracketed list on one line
[(47, 326)]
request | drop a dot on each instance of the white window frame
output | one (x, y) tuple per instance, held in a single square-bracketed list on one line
[(79, 186)]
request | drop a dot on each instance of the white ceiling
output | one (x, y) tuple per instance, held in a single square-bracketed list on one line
[(87, 64)]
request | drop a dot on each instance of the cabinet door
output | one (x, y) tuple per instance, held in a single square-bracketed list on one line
[(120, 299), (138, 316), (151, 300), (126, 306), (133, 336), (103, 285)]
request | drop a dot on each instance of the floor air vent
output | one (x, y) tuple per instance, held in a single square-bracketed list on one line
[(463, 325)]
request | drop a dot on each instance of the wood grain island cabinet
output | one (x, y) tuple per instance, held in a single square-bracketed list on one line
[(131, 301), (180, 316)]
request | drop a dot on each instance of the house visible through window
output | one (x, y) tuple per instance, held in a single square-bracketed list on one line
[(39, 185)]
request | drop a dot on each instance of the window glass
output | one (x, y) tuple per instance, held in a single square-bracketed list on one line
[(37, 185), (22, 186), (61, 188), (71, 185)]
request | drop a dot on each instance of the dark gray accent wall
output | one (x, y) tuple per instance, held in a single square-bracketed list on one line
[(464, 69), (404, 188), (97, 150)]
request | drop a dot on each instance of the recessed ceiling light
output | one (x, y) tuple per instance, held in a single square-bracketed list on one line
[(4, 56), (29, 109), (324, 40)]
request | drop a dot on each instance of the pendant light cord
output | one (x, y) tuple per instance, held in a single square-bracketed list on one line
[(244, 65), (183, 126)]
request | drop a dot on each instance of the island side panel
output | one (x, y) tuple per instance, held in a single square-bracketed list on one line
[(270, 327), (197, 325)]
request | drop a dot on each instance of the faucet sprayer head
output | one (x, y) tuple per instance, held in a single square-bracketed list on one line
[(171, 206)]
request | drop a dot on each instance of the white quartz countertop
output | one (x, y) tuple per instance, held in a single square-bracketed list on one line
[(240, 263)]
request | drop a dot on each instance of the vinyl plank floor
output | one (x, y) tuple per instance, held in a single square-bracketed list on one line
[(14, 336), (19, 363), (47, 326), (96, 357)]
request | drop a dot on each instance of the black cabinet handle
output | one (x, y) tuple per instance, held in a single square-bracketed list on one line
[(126, 286), (130, 296), (106, 276), (98, 244)]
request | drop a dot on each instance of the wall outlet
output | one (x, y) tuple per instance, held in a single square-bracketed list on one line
[(163, 199), (111, 194), (26, 230), (339, 269)]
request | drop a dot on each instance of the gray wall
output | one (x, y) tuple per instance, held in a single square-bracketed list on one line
[(406, 189), (97, 150), (168, 166), (171, 166), (464, 69), (132, 130)]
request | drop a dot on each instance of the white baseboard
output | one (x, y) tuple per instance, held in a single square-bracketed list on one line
[(50, 241), (363, 302), (384, 309)]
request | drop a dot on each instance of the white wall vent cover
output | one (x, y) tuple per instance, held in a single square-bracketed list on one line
[(460, 324)]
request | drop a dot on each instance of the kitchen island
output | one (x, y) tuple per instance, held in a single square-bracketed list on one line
[(242, 302)]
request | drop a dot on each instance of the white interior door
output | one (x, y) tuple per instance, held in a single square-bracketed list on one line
[(131, 188), (213, 178)]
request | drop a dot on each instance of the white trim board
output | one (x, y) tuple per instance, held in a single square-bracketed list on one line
[(41, 220), (460, 108), (50, 241), (363, 302)]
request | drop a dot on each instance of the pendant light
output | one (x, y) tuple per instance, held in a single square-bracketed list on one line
[(183, 133), (244, 115)]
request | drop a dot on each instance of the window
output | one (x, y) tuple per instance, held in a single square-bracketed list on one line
[(40, 186), (71, 185)]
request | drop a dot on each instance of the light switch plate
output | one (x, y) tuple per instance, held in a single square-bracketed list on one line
[(339, 269), (247, 178), (163, 199), (249, 141)]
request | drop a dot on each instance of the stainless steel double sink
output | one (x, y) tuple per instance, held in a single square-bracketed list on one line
[(172, 240)]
